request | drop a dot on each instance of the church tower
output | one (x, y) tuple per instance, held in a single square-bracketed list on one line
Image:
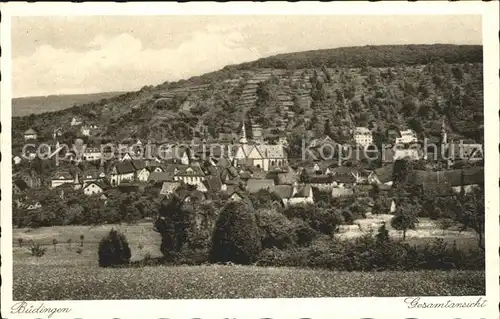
[(243, 139), (444, 135)]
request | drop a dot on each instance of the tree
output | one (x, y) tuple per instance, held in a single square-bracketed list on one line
[(81, 240), (55, 242), (275, 229), (114, 250), (383, 234), (470, 213), (405, 218), (264, 198), (236, 235), (445, 223), (328, 129), (172, 223)]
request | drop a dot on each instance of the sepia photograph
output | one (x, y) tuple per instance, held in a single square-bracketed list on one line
[(247, 156)]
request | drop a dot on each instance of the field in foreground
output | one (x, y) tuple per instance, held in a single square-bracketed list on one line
[(33, 282), (71, 272)]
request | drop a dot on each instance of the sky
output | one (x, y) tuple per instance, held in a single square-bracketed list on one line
[(90, 54)]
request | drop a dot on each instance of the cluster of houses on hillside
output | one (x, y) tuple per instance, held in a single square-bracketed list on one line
[(235, 170)]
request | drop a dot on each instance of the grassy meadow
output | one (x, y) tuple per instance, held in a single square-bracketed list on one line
[(71, 272)]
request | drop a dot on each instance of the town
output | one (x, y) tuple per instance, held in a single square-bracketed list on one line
[(242, 166)]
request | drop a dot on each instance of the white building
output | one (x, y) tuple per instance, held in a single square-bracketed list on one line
[(76, 121), (30, 134), (92, 154), (261, 155), (85, 130), (93, 188), (192, 175), (61, 178), (121, 172), (407, 137), (363, 136), (143, 174), (17, 160)]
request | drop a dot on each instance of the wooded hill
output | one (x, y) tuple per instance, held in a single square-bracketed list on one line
[(315, 92)]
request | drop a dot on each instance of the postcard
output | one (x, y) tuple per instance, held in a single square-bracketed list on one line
[(250, 160)]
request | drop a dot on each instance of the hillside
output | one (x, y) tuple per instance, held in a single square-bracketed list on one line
[(41, 104), (319, 92)]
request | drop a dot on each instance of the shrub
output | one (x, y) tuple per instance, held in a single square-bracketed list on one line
[(114, 250), (368, 254), (236, 235), (275, 229), (20, 242), (304, 234), (36, 249), (323, 220)]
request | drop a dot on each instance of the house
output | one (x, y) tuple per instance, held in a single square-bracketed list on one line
[(76, 121), (161, 177), (341, 192), (90, 175), (94, 188), (154, 168), (382, 175), (92, 154), (255, 185), (407, 137), (410, 153), (30, 134), (294, 194), (58, 132), (456, 180), (85, 130), (343, 181), (300, 195), (32, 205), (192, 175), (237, 196), (120, 172), (169, 188), (101, 173), (16, 160), (362, 136), (143, 174), (61, 178)]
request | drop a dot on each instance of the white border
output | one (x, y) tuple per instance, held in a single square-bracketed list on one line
[(267, 308)]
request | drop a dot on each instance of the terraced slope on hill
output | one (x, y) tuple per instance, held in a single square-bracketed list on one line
[(318, 92)]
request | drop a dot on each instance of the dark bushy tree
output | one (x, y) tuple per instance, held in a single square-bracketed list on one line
[(114, 250), (405, 218), (236, 235)]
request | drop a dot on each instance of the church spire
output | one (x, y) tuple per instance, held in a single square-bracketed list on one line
[(243, 139), (444, 135)]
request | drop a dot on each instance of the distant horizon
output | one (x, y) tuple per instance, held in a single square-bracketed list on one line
[(69, 55)]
